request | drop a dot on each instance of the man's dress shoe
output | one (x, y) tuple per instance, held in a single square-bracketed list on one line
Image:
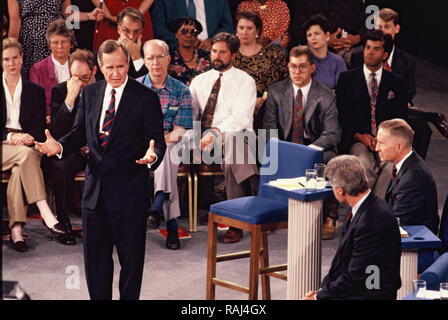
[(172, 240), (232, 236), (154, 219), (67, 239), (441, 124)]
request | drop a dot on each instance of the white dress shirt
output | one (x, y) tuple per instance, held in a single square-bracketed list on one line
[(62, 71), (200, 16), (378, 75), (12, 106), (400, 164), (236, 100), (107, 98), (360, 202), (391, 56)]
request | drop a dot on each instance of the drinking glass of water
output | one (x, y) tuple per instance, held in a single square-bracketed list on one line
[(320, 175), (310, 180)]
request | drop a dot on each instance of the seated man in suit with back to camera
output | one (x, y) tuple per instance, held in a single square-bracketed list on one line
[(366, 96), (64, 106), (412, 192), (371, 240), (304, 111)]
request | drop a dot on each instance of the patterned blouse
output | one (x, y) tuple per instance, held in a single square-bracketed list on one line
[(275, 16), (267, 67), (179, 70)]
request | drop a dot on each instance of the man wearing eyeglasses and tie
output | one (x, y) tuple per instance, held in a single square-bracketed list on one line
[(64, 105), (304, 111)]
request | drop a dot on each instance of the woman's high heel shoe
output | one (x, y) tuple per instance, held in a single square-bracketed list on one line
[(57, 229)]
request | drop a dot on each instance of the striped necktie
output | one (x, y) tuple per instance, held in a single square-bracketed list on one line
[(394, 173), (108, 120), (373, 98)]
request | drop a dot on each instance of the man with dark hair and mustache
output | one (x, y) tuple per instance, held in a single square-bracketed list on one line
[(224, 101)]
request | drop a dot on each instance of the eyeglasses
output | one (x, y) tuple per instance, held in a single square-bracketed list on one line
[(193, 32), (159, 56), (84, 78), (293, 67), (55, 43)]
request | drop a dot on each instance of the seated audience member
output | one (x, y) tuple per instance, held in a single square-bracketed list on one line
[(328, 65), (54, 69), (403, 64), (130, 32), (224, 101), (64, 106), (175, 100), (108, 28), (371, 238), (267, 65), (367, 96), (304, 111), (412, 192), (214, 16), (23, 123), (275, 17), (187, 60), (347, 19)]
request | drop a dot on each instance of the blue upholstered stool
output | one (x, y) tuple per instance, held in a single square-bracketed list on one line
[(258, 215)]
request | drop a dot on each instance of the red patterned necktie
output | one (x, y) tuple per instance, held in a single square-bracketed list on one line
[(209, 111), (297, 122), (108, 120), (373, 97), (394, 173), (387, 66)]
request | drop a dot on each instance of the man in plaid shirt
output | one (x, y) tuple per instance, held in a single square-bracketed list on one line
[(175, 99)]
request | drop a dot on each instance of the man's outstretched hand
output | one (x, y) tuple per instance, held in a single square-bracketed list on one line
[(50, 147), (150, 155)]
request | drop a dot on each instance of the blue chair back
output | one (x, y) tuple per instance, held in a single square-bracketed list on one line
[(436, 273), (443, 230), (283, 160)]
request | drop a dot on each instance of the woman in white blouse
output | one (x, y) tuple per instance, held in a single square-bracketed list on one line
[(23, 123)]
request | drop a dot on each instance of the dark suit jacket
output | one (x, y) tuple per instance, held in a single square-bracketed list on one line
[(113, 171), (413, 194), (164, 12), (61, 118), (32, 111), (353, 102), (372, 239), (321, 115), (402, 64)]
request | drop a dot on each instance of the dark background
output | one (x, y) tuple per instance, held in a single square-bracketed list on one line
[(424, 26)]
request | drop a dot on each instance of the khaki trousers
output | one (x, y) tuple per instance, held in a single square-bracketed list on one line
[(26, 184)]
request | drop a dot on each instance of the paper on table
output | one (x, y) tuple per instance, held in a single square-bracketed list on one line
[(428, 294), (403, 233), (289, 184)]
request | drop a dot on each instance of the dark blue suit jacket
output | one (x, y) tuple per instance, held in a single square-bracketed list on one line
[(372, 239), (164, 12), (113, 171), (413, 194)]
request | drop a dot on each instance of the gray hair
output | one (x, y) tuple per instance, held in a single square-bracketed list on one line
[(109, 46), (160, 43), (348, 173), (398, 128)]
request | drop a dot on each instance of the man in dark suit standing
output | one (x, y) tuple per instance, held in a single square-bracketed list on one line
[(412, 192), (304, 111), (120, 120), (367, 263), (64, 106), (367, 96), (130, 23)]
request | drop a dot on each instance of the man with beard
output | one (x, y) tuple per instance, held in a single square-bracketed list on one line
[(224, 101)]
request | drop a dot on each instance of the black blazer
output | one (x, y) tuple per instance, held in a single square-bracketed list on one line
[(32, 111), (402, 64), (113, 171), (353, 102), (372, 239), (413, 194), (61, 118)]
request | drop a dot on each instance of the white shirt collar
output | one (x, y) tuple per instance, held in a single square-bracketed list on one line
[(378, 75), (391, 56), (360, 202), (17, 91), (400, 164), (118, 90)]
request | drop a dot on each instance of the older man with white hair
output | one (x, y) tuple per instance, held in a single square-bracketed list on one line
[(175, 100)]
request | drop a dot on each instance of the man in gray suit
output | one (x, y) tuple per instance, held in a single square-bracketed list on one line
[(304, 111)]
